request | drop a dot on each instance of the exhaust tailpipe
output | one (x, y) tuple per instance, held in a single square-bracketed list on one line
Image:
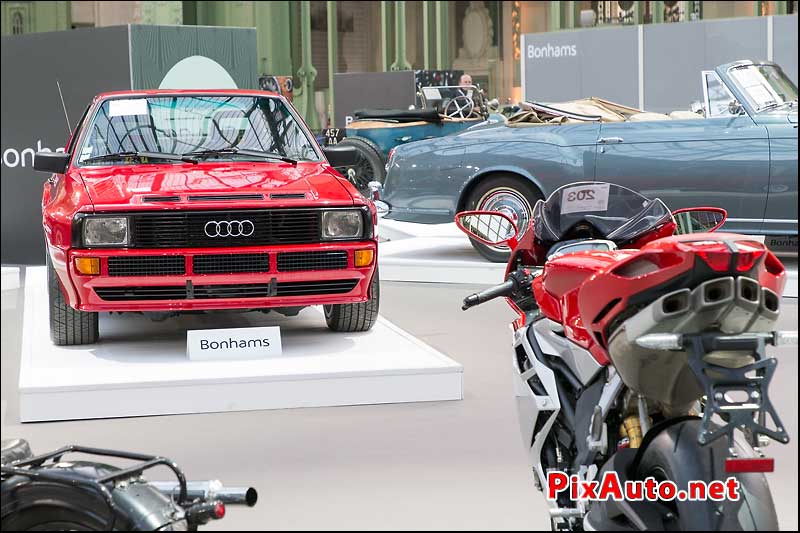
[(207, 491)]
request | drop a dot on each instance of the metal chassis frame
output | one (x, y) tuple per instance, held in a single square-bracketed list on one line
[(97, 485)]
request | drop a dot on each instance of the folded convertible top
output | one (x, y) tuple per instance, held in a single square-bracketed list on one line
[(400, 115)]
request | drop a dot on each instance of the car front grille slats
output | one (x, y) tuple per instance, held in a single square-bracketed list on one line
[(188, 228), (154, 265), (302, 288), (297, 261), (242, 290), (230, 263)]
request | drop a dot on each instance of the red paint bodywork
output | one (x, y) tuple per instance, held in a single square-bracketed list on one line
[(586, 291), (121, 188)]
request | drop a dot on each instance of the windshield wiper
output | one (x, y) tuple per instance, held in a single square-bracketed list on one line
[(140, 155), (232, 150)]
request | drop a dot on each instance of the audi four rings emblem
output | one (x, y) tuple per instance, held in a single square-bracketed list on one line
[(229, 228)]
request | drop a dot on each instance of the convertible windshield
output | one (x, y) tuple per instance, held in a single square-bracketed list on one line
[(764, 86), (181, 128), (596, 210)]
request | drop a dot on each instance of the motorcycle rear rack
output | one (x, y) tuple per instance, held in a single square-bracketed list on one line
[(718, 382), (29, 468)]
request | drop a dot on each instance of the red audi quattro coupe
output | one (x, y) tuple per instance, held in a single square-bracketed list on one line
[(169, 201)]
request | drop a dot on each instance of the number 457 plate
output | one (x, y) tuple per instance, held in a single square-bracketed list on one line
[(585, 198)]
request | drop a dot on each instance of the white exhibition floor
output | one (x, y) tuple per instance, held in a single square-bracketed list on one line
[(140, 367)]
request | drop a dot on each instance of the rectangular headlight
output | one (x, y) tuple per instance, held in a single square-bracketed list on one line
[(342, 224), (105, 231)]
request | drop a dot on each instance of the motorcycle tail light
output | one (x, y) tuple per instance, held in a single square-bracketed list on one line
[(219, 510), (748, 254), (715, 254), (735, 465)]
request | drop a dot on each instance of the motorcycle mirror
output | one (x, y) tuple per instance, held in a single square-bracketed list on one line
[(489, 227), (699, 219)]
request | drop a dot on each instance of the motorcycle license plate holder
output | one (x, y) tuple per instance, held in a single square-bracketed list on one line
[(719, 383)]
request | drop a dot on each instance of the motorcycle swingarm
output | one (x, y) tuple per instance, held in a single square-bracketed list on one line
[(720, 383)]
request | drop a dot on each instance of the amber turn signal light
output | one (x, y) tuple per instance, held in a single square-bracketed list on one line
[(88, 266), (364, 258)]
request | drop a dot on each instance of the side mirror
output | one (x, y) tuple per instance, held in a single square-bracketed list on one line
[(699, 219), (735, 108), (341, 156), (54, 162), (489, 227)]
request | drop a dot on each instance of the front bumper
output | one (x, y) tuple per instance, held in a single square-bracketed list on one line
[(276, 286)]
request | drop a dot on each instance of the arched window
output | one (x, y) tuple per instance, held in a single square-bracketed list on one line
[(17, 23)]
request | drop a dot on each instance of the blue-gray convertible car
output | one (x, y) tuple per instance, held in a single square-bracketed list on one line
[(736, 150)]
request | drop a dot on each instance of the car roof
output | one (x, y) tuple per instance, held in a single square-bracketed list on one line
[(173, 92)]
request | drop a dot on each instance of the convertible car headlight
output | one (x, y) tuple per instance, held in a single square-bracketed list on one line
[(342, 224), (105, 231)]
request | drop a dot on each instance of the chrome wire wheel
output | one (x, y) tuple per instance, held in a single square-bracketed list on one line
[(511, 203)]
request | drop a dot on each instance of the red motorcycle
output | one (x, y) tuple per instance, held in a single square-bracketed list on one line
[(640, 358)]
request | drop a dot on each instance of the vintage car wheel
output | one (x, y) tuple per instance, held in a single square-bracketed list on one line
[(370, 166), (355, 317), (507, 194), (68, 326)]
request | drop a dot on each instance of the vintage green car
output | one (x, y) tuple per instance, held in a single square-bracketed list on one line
[(444, 110)]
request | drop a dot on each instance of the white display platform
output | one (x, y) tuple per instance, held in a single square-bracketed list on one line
[(140, 367), (433, 253), (10, 278)]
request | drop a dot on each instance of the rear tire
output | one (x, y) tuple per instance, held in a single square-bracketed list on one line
[(370, 167), (355, 317), (675, 455), (520, 194), (68, 326)]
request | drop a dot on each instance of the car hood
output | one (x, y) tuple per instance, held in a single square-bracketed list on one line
[(239, 184)]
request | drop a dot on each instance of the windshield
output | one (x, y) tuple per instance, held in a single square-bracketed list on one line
[(764, 86), (184, 124), (596, 210)]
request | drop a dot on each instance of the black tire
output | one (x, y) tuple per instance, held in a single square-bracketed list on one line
[(675, 455), (355, 317), (503, 183), (370, 167), (68, 326)]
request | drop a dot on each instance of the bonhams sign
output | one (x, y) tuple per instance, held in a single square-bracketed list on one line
[(548, 50)]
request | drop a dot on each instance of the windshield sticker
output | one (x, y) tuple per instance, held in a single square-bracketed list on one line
[(431, 93), (585, 198), (124, 108), (86, 152)]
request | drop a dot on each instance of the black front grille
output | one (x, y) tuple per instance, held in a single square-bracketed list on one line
[(295, 261), (146, 266), (302, 288), (119, 294), (188, 228), (230, 263), (243, 290)]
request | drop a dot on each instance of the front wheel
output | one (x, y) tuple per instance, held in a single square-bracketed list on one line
[(508, 194), (68, 326), (675, 455), (369, 167), (355, 317)]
